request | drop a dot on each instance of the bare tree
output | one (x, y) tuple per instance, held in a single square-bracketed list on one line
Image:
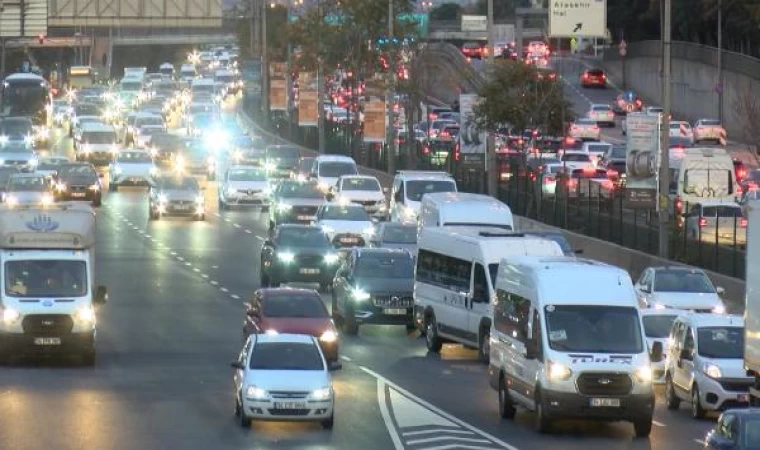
[(747, 107)]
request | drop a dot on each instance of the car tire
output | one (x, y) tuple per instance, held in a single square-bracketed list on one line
[(350, 326), (97, 202), (433, 342), (245, 421), (484, 344), (506, 407), (642, 427), (542, 423), (328, 423), (697, 412)]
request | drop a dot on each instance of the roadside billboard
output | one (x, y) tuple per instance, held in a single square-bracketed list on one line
[(375, 122), (642, 156), (307, 107), (471, 138)]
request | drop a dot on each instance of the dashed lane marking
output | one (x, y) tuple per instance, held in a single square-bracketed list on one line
[(346, 358), (204, 275), (224, 289), (235, 296), (260, 238), (658, 424), (236, 225), (197, 270), (215, 283), (248, 231)]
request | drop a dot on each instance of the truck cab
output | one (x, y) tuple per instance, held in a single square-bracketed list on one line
[(50, 298)]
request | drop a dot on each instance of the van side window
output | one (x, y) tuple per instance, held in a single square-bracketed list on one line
[(443, 271), (536, 336), (399, 195), (511, 315), (688, 343), (479, 285)]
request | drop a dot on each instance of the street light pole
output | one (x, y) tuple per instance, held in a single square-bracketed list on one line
[(719, 87), (490, 156), (289, 76), (320, 85), (264, 62), (389, 138), (664, 174)]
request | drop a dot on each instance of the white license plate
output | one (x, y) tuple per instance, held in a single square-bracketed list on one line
[(309, 271), (605, 402), (305, 217), (744, 398), (395, 311), (289, 405), (350, 240), (47, 341), (77, 194), (182, 207)]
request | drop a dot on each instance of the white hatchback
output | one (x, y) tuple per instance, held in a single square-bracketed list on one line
[(283, 377)]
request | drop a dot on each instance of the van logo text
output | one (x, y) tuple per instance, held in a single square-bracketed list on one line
[(42, 223)]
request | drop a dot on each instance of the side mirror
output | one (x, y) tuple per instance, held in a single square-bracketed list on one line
[(686, 354), (644, 289), (237, 365), (720, 290), (101, 175), (386, 190), (655, 354), (101, 295)]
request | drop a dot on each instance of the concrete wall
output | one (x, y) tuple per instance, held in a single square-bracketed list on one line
[(694, 78)]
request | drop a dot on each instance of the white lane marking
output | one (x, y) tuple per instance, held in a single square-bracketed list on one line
[(387, 415), (346, 358), (447, 438), (235, 296), (197, 270), (227, 219), (148, 236), (179, 258), (204, 275), (248, 231), (214, 267), (418, 433), (173, 253), (188, 264), (236, 225), (700, 441), (416, 410), (215, 283), (224, 289), (260, 238), (658, 424)]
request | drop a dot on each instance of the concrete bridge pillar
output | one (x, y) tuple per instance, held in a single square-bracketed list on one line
[(102, 50)]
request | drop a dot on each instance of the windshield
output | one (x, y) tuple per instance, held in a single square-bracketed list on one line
[(721, 342), (283, 153), (585, 122), (286, 356), (99, 137), (131, 86), (302, 237), (15, 127), (721, 211), (593, 329), (45, 278), (400, 235), (601, 108), (135, 157), (385, 266), (167, 142), (305, 164), (307, 307), (710, 123), (618, 152), (247, 174), (151, 120), (203, 89), (77, 171), (27, 184), (360, 184), (334, 169), (334, 212), (682, 281), (598, 148), (658, 327), (46, 164), (6, 173), (415, 189), (23, 98), (184, 184), (575, 157), (300, 190), (559, 239), (225, 78)]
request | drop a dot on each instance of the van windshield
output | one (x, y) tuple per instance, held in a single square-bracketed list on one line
[(334, 169), (45, 278), (415, 189), (708, 182), (721, 342), (593, 329)]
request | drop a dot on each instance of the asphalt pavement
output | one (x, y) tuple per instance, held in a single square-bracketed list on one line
[(174, 322)]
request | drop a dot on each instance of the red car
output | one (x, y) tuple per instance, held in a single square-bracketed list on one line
[(594, 78), (291, 310), (472, 50)]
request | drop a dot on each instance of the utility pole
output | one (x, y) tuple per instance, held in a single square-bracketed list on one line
[(389, 138), (719, 86), (253, 43), (264, 63), (490, 156), (664, 174), (320, 86), (289, 76)]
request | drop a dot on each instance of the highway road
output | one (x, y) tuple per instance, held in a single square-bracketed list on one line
[(173, 323)]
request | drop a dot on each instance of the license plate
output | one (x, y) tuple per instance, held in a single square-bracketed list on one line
[(306, 217), (182, 207), (309, 271), (77, 194), (605, 402), (744, 398), (395, 311), (47, 341), (350, 240), (289, 405)]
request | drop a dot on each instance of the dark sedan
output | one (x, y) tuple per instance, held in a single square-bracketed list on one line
[(298, 253), (78, 181), (374, 286), (736, 429)]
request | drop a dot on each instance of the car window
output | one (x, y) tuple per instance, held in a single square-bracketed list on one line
[(285, 356), (384, 266), (302, 237), (576, 157), (415, 189), (709, 123), (297, 306), (682, 281), (334, 169), (34, 184), (400, 235), (247, 174), (721, 211), (299, 190), (751, 429), (135, 157), (185, 184), (335, 212), (721, 342), (77, 171), (360, 184)]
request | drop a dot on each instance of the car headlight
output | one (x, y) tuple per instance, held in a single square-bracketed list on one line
[(720, 309), (211, 161), (10, 316), (558, 372), (368, 231), (410, 212), (255, 392), (712, 371), (329, 336), (331, 258), (11, 200), (270, 167), (286, 257), (86, 315), (322, 394), (47, 199), (95, 187), (644, 374), (162, 198), (282, 207), (86, 148), (237, 155), (61, 187), (154, 172), (33, 162), (360, 295), (3, 140)]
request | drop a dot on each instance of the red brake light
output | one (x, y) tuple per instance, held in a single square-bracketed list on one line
[(638, 102), (589, 170), (742, 173), (702, 222), (679, 205), (426, 150), (612, 173), (743, 222)]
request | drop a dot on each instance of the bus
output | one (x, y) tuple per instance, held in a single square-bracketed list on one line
[(28, 95), (80, 77)]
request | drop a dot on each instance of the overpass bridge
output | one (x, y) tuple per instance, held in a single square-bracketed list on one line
[(451, 30)]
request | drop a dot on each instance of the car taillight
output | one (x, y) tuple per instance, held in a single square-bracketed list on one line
[(702, 222), (679, 205), (585, 75), (638, 102), (743, 222), (612, 173), (741, 174), (571, 183)]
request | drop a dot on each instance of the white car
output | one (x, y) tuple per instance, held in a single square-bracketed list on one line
[(585, 129), (596, 150), (244, 185), (657, 325), (679, 287), (602, 115), (709, 130), (144, 134), (575, 159), (48, 165), (326, 169), (362, 190), (345, 225), (132, 167), (283, 377), (28, 189), (715, 221)]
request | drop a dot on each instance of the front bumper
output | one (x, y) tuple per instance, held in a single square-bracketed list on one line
[(238, 198), (85, 194), (97, 158), (24, 343), (567, 405), (266, 409), (719, 395), (366, 312), (132, 179), (175, 209), (295, 273)]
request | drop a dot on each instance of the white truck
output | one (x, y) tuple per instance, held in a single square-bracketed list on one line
[(48, 273), (752, 301), (135, 72)]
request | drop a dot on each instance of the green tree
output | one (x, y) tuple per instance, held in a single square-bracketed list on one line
[(522, 96), (446, 11), (277, 36)]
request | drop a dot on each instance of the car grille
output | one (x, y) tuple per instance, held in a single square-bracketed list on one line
[(348, 240), (305, 210), (366, 203), (393, 301), (78, 188), (289, 395), (592, 383), (308, 260), (180, 203), (249, 191), (47, 324), (288, 412), (736, 384)]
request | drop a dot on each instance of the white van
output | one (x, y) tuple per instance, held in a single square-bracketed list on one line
[(327, 169), (455, 274), (461, 208), (408, 188), (706, 174), (203, 86), (568, 342)]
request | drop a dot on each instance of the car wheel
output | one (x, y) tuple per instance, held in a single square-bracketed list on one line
[(350, 326), (327, 424), (432, 340), (643, 427), (506, 408), (96, 202), (245, 421), (697, 411), (484, 345), (542, 423)]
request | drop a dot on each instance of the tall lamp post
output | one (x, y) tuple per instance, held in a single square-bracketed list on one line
[(389, 130), (490, 156), (719, 84), (663, 203)]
